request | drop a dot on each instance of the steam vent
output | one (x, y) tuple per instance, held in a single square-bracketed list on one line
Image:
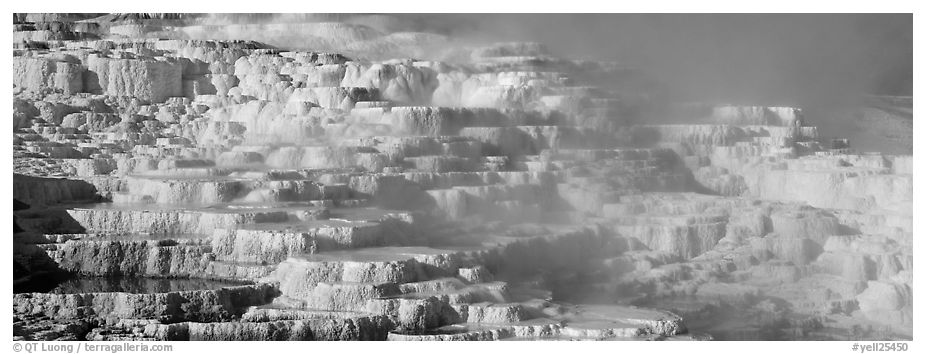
[(340, 177)]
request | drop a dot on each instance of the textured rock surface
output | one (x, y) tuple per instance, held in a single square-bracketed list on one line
[(486, 192), (146, 79)]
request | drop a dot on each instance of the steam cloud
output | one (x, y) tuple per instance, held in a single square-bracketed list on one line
[(823, 63), (785, 58)]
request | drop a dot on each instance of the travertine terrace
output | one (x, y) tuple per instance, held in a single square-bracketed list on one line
[(176, 181)]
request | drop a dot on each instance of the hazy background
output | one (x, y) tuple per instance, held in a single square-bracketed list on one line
[(823, 63), (761, 58), (743, 58)]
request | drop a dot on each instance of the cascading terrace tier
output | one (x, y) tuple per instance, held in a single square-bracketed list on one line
[(214, 189)]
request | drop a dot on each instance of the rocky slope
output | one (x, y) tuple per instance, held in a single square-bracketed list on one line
[(487, 193)]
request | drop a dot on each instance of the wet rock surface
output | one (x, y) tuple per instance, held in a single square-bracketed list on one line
[(213, 187)]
